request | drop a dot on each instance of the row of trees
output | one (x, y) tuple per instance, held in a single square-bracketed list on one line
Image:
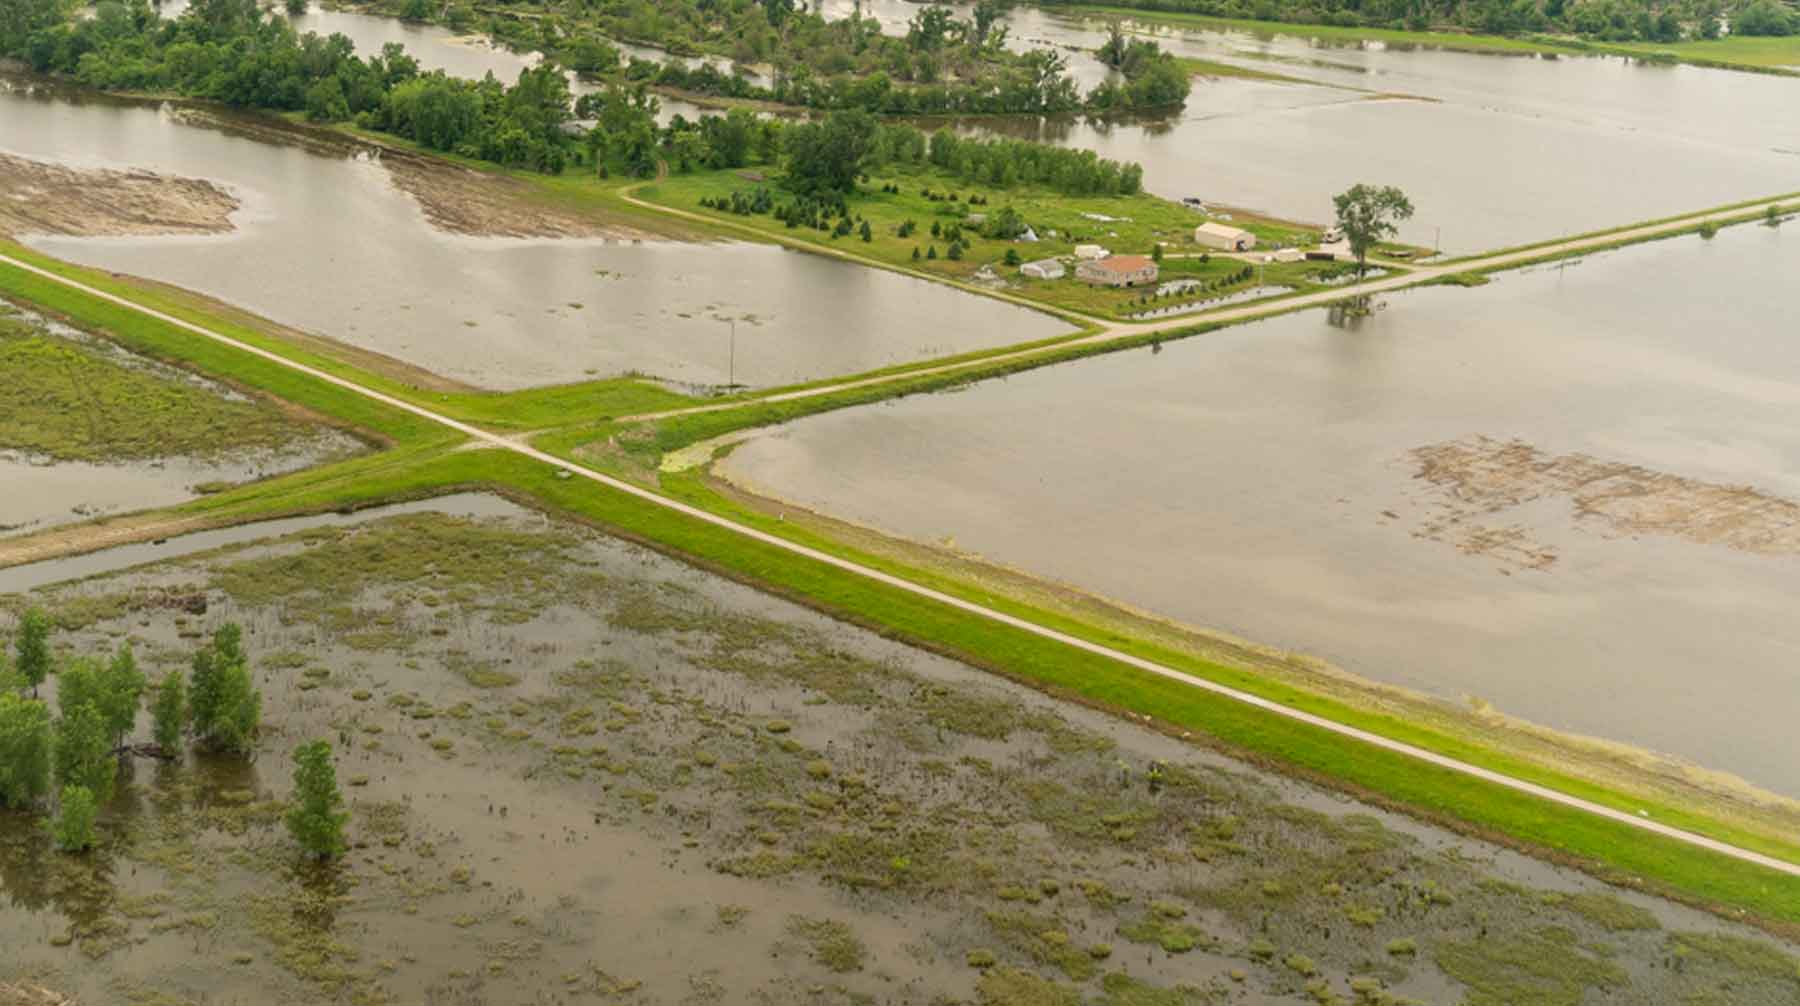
[(230, 51), (76, 756), (1603, 20)]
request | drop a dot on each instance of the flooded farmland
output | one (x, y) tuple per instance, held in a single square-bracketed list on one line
[(1565, 493), (88, 429), (544, 732), (1494, 150)]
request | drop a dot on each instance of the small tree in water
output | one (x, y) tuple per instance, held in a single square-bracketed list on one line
[(24, 750), (315, 820), (31, 649), (1367, 215), (170, 713), (226, 706), (74, 827)]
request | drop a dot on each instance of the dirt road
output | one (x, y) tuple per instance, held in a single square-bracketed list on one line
[(960, 604)]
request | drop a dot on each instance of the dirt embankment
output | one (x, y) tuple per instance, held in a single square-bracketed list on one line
[(37, 197), (1479, 479)]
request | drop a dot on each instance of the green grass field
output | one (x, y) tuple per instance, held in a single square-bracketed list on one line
[(1122, 224)]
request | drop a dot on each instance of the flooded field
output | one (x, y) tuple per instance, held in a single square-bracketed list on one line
[(543, 732), (88, 429), (1494, 150), (1566, 493)]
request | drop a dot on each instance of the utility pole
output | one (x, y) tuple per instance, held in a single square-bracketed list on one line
[(731, 371)]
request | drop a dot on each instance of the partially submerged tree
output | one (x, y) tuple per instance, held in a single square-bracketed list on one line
[(170, 713), (82, 755), (74, 827), (225, 705), (114, 691), (31, 650), (315, 820), (1368, 215), (24, 750)]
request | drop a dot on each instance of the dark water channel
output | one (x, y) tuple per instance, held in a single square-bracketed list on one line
[(1629, 572)]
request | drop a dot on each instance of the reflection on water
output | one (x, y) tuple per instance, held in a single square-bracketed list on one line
[(1505, 150), (327, 243), (1268, 474)]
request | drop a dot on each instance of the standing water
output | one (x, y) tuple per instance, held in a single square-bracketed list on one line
[(1572, 493)]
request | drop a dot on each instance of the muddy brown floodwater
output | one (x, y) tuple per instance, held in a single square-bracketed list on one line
[(580, 772), (41, 198), (1623, 575)]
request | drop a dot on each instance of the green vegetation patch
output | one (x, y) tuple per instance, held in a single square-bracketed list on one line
[(1542, 967), (832, 944), (70, 400)]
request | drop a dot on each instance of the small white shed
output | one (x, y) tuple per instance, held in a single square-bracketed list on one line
[(1048, 268)]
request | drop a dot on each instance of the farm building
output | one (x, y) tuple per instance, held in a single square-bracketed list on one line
[(1047, 268), (1225, 238), (1090, 253), (1117, 270)]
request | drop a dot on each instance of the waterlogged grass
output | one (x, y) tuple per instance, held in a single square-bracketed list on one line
[(72, 401)]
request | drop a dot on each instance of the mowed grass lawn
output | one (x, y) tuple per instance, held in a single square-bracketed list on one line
[(1132, 225)]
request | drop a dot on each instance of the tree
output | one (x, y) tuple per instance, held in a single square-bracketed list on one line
[(225, 705), (1763, 17), (74, 827), (24, 750), (315, 820), (82, 755), (828, 155), (1156, 252), (170, 712), (121, 694), (867, 234), (1012, 256), (295, 8), (1368, 215), (31, 650)]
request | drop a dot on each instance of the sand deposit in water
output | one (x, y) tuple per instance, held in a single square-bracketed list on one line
[(41, 198), (1269, 474), (89, 429), (580, 772)]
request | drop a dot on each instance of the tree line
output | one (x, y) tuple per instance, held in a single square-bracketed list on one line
[(1600, 20)]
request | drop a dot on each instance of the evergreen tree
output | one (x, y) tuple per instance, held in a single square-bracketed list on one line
[(315, 820)]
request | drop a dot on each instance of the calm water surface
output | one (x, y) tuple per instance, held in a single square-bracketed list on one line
[(1259, 480), (327, 243), (1503, 150)]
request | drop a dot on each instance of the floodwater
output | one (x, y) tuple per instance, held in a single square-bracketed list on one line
[(62, 491), (536, 748), (494, 312), (1261, 480), (1504, 150)]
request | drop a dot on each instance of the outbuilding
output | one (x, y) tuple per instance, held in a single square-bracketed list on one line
[(1090, 253), (1047, 268), (1224, 238), (1117, 270)]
